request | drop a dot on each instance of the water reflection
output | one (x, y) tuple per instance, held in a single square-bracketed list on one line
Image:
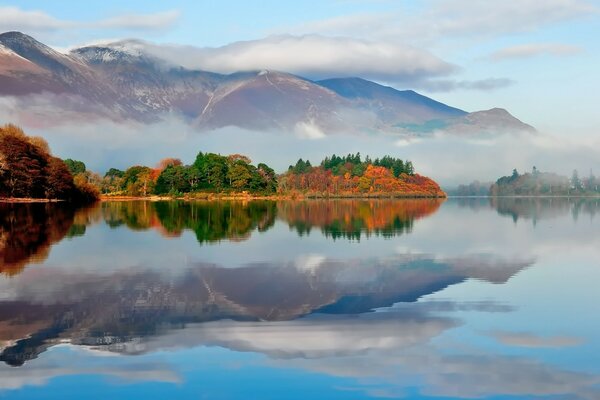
[(535, 208), (28, 230), (101, 309), (210, 221), (213, 221), (381, 298), (350, 219)]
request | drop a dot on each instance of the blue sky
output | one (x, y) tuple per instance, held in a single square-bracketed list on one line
[(538, 59)]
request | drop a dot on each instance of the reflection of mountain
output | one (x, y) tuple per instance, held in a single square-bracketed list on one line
[(352, 218), (28, 230), (99, 309)]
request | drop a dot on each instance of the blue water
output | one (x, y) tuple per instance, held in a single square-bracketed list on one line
[(348, 299)]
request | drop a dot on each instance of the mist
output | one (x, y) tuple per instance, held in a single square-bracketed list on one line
[(449, 158)]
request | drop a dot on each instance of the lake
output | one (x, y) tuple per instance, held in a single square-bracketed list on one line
[(338, 299)]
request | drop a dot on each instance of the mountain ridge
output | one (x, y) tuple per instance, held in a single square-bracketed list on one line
[(124, 81)]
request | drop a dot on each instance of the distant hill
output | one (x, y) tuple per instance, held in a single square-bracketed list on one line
[(122, 80)]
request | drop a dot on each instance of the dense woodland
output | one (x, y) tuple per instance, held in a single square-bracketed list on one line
[(29, 170), (214, 173), (539, 183), (209, 173)]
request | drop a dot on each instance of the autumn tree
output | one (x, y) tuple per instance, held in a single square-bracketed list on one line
[(27, 169)]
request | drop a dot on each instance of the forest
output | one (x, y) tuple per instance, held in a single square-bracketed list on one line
[(209, 172)]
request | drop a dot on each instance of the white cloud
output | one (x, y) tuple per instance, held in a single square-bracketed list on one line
[(454, 18), (14, 18), (31, 21), (312, 56), (533, 50)]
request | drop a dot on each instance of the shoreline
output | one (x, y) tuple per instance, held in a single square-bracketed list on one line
[(288, 197), (275, 197), (28, 200)]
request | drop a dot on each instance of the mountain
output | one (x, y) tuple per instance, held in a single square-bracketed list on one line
[(389, 104), (124, 81)]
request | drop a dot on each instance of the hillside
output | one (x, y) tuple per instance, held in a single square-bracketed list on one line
[(123, 81)]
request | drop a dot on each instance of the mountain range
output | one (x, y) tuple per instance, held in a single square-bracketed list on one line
[(124, 81)]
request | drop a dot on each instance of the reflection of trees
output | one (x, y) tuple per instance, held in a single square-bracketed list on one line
[(136, 215), (353, 218), (28, 230), (543, 208), (210, 221), (213, 221)]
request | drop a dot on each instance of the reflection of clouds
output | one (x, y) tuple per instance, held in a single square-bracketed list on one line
[(383, 353), (524, 339), (313, 337), (484, 375), (387, 352), (52, 365), (460, 376), (309, 262)]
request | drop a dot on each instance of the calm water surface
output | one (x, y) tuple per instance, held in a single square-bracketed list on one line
[(467, 298)]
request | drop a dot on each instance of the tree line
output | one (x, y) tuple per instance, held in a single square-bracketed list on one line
[(235, 173), (209, 172)]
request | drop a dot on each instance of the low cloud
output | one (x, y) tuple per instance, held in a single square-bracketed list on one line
[(308, 130), (312, 56), (320, 57), (534, 50), (485, 85), (17, 19)]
